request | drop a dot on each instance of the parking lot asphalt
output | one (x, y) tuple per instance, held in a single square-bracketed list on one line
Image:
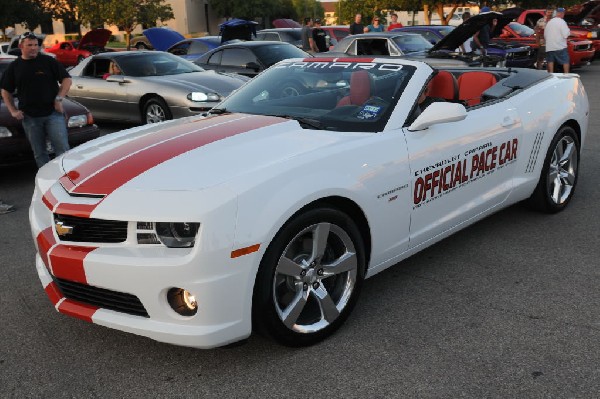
[(509, 307)]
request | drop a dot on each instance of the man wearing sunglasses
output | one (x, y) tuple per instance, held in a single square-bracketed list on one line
[(41, 83)]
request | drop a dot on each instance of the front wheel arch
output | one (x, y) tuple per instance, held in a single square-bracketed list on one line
[(149, 97), (343, 234)]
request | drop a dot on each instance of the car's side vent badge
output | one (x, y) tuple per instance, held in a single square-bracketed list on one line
[(534, 152)]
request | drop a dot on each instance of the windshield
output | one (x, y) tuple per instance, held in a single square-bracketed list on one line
[(343, 96), (445, 30), (412, 43), (156, 64), (521, 30), (273, 53)]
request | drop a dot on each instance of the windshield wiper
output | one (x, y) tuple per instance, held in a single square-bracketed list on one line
[(304, 122)]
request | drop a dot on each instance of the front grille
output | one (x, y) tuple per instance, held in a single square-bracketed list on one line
[(107, 299), (92, 230)]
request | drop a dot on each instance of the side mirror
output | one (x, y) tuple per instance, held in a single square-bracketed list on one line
[(253, 65), (439, 113)]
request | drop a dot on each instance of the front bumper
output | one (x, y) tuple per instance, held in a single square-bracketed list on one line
[(221, 285)]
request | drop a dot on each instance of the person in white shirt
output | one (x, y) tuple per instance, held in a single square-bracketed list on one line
[(555, 35), (466, 46)]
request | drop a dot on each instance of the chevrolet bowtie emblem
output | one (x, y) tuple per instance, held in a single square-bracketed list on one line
[(63, 230)]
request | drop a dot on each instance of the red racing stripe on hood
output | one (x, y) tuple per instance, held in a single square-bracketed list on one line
[(67, 262), (113, 176), (88, 168)]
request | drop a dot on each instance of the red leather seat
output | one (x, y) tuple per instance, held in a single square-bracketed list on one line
[(471, 86), (360, 89), (443, 85)]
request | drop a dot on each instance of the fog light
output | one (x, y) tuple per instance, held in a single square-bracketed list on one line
[(182, 301)]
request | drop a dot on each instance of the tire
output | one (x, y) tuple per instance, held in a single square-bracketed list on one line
[(156, 110), (141, 46), (559, 174), (301, 298)]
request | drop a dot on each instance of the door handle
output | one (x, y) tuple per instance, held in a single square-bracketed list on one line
[(80, 86), (508, 121)]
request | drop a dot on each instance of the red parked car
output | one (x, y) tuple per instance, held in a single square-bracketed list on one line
[(581, 51), (574, 16), (72, 52)]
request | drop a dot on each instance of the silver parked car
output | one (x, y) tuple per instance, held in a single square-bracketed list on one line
[(147, 87)]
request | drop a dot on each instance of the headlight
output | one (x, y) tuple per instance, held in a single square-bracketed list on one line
[(4, 132), (77, 121), (592, 35), (172, 235), (198, 96)]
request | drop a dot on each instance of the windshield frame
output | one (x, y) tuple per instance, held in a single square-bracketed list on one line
[(320, 87)]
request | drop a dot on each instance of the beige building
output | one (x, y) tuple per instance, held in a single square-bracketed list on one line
[(192, 18)]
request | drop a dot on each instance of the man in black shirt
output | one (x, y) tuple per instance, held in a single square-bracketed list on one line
[(481, 39), (318, 35), (36, 78), (357, 27)]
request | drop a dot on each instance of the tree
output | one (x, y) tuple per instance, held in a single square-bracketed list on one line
[(308, 8), (126, 14), (65, 10), (266, 9), (25, 12)]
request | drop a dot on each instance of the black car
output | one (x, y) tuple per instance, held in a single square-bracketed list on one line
[(248, 58), (14, 146)]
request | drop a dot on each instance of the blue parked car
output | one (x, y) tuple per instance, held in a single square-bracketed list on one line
[(516, 55)]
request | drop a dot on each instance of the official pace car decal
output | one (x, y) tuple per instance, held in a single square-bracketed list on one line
[(447, 175)]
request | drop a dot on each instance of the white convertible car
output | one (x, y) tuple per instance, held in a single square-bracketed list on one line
[(269, 212)]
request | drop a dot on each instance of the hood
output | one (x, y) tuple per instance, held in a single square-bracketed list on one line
[(209, 81), (96, 37), (513, 12), (286, 23), (467, 29), (577, 13), (218, 149), (237, 29), (162, 38)]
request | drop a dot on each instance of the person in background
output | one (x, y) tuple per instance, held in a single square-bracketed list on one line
[(308, 44), (394, 24), (357, 27), (374, 27), (318, 35), (6, 208), (481, 39), (113, 69), (42, 84), (555, 35), (466, 46), (540, 26)]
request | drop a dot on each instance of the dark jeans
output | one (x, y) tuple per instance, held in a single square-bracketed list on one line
[(38, 129)]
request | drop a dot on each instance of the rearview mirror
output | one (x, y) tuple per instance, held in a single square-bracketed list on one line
[(441, 112)]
